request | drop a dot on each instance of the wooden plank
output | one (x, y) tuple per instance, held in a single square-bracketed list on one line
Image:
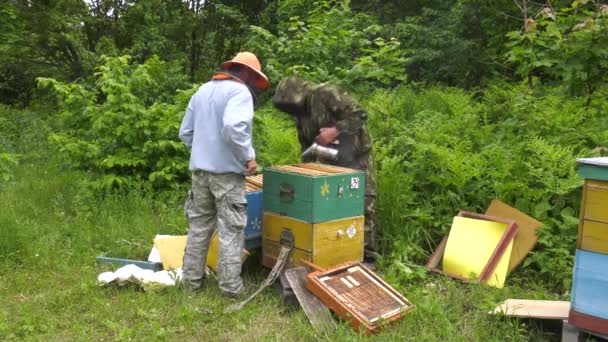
[(526, 236), (594, 237), (542, 309), (318, 314), (325, 168), (299, 170)]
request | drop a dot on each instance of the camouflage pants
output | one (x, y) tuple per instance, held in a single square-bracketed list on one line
[(215, 200)]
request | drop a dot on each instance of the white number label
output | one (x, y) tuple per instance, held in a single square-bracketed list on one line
[(354, 183)]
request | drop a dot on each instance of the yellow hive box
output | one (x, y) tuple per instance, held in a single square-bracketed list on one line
[(325, 243), (593, 226)]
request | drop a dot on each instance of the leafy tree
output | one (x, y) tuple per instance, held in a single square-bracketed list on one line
[(119, 136)]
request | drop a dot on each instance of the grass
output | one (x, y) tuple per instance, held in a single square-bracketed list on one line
[(52, 228)]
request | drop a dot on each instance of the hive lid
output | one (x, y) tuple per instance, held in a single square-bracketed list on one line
[(602, 161)]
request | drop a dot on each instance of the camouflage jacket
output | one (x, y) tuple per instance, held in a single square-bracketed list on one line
[(330, 106)]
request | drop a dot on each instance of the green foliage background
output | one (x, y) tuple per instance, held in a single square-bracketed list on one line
[(466, 104)]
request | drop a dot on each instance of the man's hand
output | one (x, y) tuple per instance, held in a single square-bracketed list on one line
[(251, 167), (327, 135)]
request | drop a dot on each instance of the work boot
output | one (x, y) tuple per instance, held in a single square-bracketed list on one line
[(239, 295)]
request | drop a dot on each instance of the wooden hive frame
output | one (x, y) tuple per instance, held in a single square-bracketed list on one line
[(313, 169), (254, 183), (353, 306), (434, 262)]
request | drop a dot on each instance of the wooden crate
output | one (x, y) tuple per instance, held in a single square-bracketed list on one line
[(359, 296), (313, 192), (590, 286), (325, 244), (593, 224)]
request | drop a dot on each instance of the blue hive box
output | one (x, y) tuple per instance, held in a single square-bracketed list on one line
[(590, 284), (253, 230), (255, 206)]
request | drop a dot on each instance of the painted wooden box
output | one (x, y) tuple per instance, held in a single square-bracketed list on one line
[(313, 192), (359, 296), (325, 244), (593, 168), (593, 224), (590, 291), (255, 209)]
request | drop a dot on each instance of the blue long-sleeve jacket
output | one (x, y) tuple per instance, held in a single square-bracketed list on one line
[(217, 126)]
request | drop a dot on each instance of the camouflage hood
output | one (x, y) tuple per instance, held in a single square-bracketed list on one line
[(292, 96)]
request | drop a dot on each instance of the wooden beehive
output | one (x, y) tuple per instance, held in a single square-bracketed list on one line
[(325, 244), (590, 292), (590, 284), (313, 192), (359, 296)]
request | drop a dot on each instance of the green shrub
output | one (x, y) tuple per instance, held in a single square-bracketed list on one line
[(122, 130), (439, 151)]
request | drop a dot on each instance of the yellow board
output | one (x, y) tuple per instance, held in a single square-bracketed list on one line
[(526, 231), (329, 243), (470, 244), (595, 237), (171, 250)]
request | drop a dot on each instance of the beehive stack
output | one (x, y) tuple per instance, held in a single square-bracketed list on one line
[(317, 209), (253, 229), (589, 302)]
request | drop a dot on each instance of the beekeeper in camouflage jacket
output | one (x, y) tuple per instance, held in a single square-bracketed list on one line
[(218, 125), (326, 114)]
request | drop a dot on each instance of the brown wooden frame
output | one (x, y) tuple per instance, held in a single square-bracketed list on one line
[(588, 322), (353, 317), (434, 262)]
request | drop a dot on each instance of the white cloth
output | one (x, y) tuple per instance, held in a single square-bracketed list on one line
[(148, 279)]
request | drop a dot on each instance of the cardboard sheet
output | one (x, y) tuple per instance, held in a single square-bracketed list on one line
[(470, 245), (526, 231), (171, 250)]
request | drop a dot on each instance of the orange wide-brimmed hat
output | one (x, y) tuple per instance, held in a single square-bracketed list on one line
[(250, 60)]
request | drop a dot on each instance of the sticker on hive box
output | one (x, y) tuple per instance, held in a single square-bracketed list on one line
[(351, 231), (354, 183)]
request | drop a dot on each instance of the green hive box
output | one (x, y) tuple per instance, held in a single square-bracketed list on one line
[(593, 168), (314, 192)]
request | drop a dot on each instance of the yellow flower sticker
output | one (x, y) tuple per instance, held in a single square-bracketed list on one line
[(325, 189)]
